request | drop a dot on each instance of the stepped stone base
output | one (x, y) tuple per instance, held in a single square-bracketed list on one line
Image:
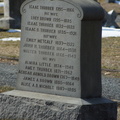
[(22, 105)]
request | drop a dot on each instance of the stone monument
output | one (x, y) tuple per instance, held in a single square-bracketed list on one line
[(55, 50), (12, 16), (110, 19), (59, 75)]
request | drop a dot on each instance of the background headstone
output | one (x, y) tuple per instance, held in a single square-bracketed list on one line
[(109, 20), (111, 1), (12, 16)]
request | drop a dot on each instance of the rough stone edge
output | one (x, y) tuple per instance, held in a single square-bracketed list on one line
[(24, 108)]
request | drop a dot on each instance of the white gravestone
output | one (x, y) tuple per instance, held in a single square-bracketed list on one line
[(51, 54), (50, 47)]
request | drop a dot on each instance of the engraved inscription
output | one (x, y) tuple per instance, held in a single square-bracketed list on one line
[(50, 48)]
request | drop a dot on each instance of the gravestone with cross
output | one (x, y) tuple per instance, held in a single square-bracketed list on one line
[(12, 16), (109, 20)]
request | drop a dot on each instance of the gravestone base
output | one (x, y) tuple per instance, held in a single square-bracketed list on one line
[(7, 23), (22, 105)]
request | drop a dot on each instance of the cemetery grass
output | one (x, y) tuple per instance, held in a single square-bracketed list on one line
[(9, 48), (111, 56), (5, 88)]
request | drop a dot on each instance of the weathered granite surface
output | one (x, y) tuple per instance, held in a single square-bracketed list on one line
[(25, 108)]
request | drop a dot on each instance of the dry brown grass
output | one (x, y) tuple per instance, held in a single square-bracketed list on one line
[(111, 6), (1, 10), (111, 56), (111, 53), (9, 49), (4, 34), (5, 88)]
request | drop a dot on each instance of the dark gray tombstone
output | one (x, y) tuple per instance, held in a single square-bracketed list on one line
[(111, 1), (109, 20), (60, 63), (12, 16)]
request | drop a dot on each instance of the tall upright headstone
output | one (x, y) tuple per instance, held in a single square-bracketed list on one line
[(60, 63), (60, 48), (12, 16)]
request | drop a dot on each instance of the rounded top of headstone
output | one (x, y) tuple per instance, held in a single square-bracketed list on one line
[(89, 9)]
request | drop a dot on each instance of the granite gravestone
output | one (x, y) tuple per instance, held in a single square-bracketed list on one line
[(60, 64), (50, 59), (56, 55)]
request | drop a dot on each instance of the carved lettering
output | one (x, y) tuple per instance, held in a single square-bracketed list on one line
[(33, 6), (50, 48)]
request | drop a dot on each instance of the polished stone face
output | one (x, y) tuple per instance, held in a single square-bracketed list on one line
[(50, 48)]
